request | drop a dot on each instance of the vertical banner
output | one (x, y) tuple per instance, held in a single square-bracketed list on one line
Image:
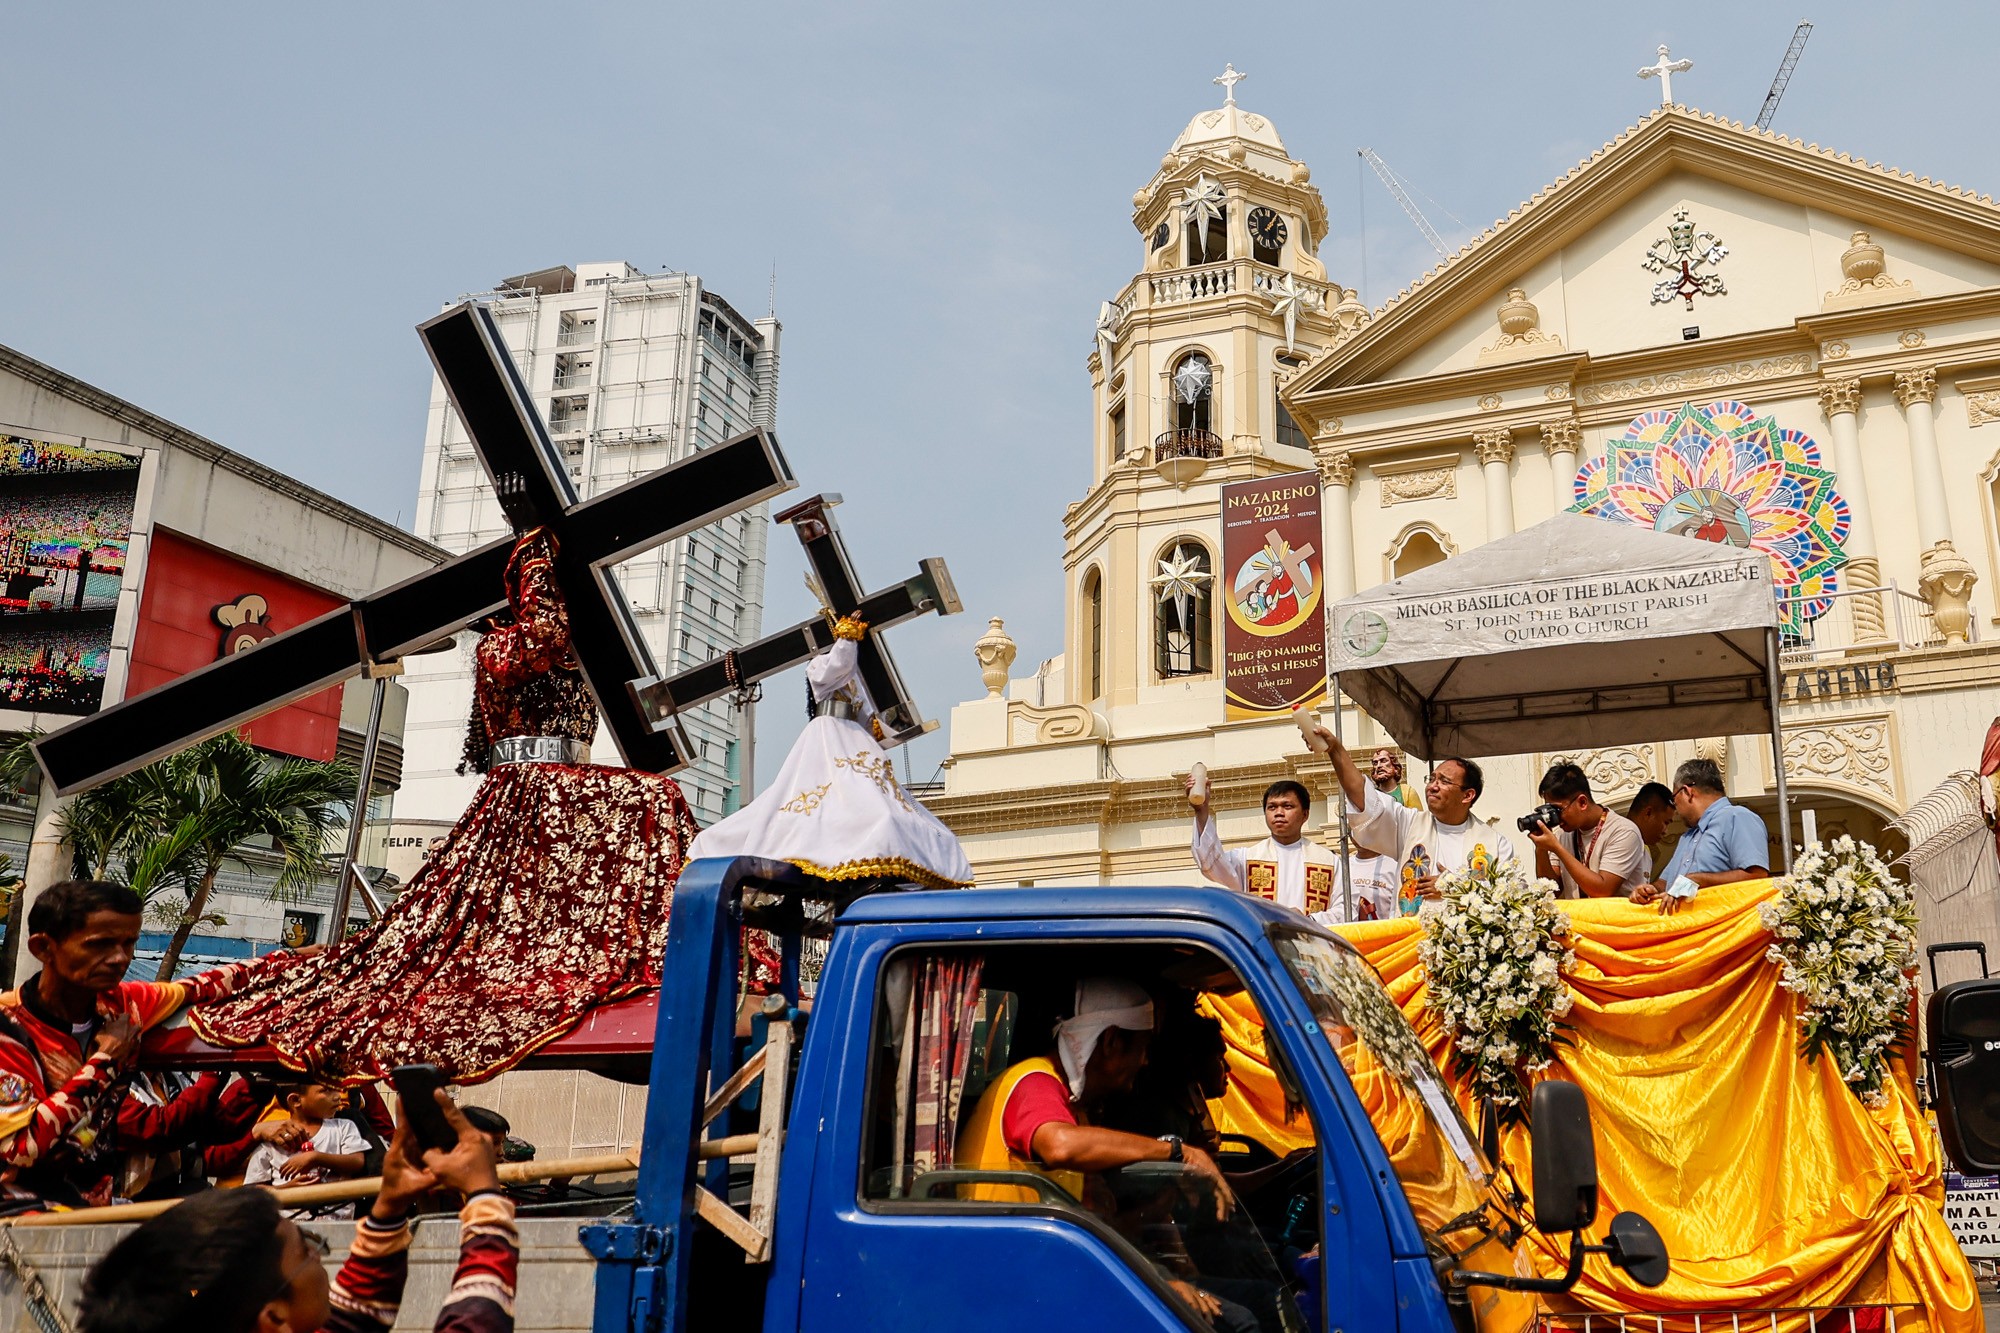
[(1274, 641)]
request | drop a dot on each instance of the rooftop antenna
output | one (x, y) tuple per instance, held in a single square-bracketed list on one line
[(1785, 68), (772, 311)]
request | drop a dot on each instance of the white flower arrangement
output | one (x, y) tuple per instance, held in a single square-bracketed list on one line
[(1494, 951), (1846, 931)]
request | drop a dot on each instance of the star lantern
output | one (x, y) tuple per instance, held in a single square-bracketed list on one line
[(1193, 379), (1182, 578), (1287, 300), (1109, 317), (1203, 204), (1723, 473)]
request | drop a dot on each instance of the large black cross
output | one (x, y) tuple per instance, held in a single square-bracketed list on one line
[(533, 485), (812, 520)]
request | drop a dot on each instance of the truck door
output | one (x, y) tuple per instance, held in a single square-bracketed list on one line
[(914, 1225)]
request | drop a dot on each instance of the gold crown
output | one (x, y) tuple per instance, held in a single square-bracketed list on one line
[(850, 627)]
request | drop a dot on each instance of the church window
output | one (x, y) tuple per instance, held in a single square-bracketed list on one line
[(1288, 431), (1419, 546), (1183, 611), (1209, 244), (1093, 631), (1161, 234), (1193, 384), (1117, 433)]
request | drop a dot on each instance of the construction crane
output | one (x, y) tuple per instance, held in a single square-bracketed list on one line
[(1395, 185), (1785, 68)]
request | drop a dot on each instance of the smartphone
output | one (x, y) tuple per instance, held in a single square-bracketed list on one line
[(415, 1088)]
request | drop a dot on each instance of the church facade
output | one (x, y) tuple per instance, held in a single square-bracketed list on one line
[(1703, 328)]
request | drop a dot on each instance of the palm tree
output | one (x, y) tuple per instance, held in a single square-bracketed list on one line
[(171, 826)]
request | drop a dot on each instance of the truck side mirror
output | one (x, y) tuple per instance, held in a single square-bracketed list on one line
[(1566, 1200), (1565, 1159), (1636, 1247)]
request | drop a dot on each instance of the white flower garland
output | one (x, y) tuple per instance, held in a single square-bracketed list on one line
[(1845, 931), (1494, 952)]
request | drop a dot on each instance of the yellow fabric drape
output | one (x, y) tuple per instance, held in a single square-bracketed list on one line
[(1772, 1184)]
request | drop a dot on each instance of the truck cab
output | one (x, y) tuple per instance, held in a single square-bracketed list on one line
[(1358, 1219)]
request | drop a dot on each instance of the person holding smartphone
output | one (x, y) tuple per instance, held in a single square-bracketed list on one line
[(226, 1261)]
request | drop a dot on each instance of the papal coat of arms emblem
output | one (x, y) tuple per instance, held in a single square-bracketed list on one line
[(1687, 259)]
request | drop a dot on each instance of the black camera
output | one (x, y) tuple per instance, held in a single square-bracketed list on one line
[(1542, 816)]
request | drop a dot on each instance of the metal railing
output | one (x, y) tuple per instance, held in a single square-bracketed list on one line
[(1187, 444), (575, 379), (572, 334), (1859, 619), (1807, 1318)]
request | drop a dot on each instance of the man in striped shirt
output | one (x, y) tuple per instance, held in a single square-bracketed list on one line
[(227, 1261), (68, 1036)]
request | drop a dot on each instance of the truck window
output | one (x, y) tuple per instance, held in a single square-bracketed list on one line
[(965, 1074), (1420, 1128)]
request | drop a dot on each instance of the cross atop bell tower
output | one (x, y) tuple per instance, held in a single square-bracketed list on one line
[(1229, 78)]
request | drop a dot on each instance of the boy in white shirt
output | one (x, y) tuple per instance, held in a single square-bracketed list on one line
[(333, 1148)]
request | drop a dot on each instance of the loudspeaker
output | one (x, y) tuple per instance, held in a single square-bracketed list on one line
[(1963, 1022)]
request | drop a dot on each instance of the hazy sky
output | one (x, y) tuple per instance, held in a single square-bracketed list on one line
[(234, 215)]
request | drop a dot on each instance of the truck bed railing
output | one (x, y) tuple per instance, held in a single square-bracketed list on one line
[(1871, 1318)]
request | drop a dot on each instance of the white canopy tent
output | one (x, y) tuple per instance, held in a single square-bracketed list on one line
[(1575, 632)]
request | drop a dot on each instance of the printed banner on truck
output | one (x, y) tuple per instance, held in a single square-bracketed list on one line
[(1274, 637)]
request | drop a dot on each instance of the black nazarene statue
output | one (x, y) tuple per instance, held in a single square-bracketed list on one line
[(548, 897)]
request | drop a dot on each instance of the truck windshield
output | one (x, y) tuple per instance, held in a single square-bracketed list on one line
[(1432, 1151)]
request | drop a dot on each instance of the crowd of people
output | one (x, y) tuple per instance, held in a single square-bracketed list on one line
[(1401, 842), (81, 1126)]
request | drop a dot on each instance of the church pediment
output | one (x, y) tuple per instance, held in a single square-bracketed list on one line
[(1685, 228)]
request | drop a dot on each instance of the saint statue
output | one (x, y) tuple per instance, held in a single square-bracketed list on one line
[(548, 898), (835, 809)]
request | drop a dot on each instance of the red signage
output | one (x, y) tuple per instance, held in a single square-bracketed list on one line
[(198, 604), (1274, 640)]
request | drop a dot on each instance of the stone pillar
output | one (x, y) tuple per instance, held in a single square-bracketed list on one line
[(995, 651), (1336, 511), (1496, 456), (1562, 441), (1916, 393), (1945, 577), (1840, 400)]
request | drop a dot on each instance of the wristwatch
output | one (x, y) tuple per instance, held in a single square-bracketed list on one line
[(1176, 1151)]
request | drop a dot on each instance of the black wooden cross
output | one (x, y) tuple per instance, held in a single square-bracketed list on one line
[(812, 520), (533, 484)]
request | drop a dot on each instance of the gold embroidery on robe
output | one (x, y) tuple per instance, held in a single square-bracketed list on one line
[(1262, 877), (1319, 888)]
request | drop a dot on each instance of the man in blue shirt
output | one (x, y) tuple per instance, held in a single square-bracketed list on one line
[(1724, 842)]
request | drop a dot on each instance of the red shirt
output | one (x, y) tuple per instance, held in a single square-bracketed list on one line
[(57, 1101), (1037, 1100)]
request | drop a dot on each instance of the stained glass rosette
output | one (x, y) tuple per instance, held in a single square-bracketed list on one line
[(1723, 473)]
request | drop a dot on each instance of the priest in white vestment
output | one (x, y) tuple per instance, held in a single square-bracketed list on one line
[(1443, 836), (1287, 867)]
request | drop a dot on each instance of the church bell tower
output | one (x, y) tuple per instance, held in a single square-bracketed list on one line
[(1229, 302)]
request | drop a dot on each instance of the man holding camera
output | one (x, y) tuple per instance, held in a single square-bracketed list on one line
[(1595, 852)]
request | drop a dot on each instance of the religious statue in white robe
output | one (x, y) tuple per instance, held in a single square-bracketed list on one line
[(835, 809)]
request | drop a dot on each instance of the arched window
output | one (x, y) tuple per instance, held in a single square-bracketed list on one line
[(1193, 383), (1419, 546), (1093, 633), (1183, 611)]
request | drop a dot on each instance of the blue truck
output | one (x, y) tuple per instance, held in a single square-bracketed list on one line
[(837, 1202)]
